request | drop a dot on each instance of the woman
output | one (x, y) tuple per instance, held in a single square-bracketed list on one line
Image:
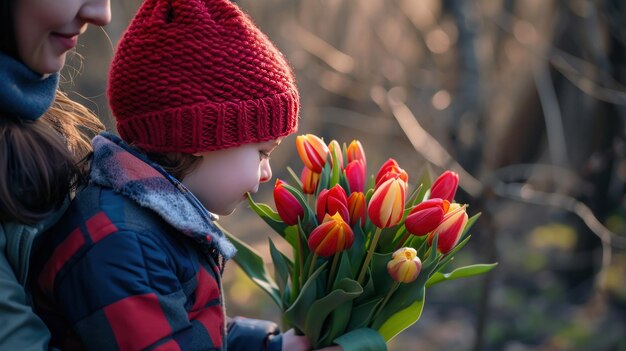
[(41, 139)]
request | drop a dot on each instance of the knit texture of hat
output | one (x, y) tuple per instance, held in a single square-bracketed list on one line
[(198, 75)]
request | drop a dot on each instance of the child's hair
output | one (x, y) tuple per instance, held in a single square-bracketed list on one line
[(177, 164), (39, 161)]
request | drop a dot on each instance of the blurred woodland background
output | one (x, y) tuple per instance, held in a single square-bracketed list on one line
[(526, 100)]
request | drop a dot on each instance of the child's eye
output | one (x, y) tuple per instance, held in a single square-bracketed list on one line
[(264, 155)]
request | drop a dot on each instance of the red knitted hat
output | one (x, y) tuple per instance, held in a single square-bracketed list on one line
[(198, 75)]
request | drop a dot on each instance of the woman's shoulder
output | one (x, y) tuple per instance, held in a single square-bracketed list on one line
[(17, 239)]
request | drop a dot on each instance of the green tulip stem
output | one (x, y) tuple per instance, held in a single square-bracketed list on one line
[(370, 252), (403, 241), (422, 245), (333, 271), (300, 263), (382, 305), (428, 250), (312, 266)]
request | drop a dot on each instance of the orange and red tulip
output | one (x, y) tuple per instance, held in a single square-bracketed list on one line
[(332, 236), (355, 152), (356, 208), (313, 151), (386, 206), (450, 229), (309, 180), (390, 169)]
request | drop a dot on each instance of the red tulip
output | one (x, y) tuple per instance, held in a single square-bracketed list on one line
[(389, 170), (356, 152), (445, 186), (404, 266), (288, 207), (334, 146), (312, 151), (332, 236), (355, 173), (309, 180), (356, 208), (388, 165), (386, 206), (426, 216), (332, 201), (450, 229)]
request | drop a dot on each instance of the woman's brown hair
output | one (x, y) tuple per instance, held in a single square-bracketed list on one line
[(40, 162)]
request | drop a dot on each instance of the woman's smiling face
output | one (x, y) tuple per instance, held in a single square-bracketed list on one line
[(45, 30)]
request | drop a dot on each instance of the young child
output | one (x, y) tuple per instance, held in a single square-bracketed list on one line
[(201, 99), (42, 136)]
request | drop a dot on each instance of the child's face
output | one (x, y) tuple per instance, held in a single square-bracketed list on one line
[(46, 29), (222, 178)]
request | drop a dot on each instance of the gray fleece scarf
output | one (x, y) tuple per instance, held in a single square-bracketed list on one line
[(115, 165)]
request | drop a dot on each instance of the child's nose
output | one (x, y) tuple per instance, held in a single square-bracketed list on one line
[(96, 12), (266, 172)]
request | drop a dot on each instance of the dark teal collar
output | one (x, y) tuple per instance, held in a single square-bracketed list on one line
[(24, 94)]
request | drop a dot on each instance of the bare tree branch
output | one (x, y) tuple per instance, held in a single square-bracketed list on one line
[(551, 114)]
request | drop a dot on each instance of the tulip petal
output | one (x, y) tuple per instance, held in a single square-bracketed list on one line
[(332, 236)]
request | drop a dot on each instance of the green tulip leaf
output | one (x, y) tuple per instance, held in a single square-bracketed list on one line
[(324, 179), (270, 216), (318, 312), (381, 279), (338, 321), (252, 264), (450, 255), (363, 339), (414, 197), (462, 272), (344, 270), (281, 268), (297, 312), (343, 182), (402, 319), (291, 236), (369, 290), (403, 297), (295, 177), (363, 313), (335, 169), (356, 253), (386, 241)]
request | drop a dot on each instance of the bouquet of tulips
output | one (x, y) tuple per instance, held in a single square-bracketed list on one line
[(363, 250)]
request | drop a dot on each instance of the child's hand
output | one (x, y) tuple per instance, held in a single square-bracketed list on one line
[(293, 342)]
